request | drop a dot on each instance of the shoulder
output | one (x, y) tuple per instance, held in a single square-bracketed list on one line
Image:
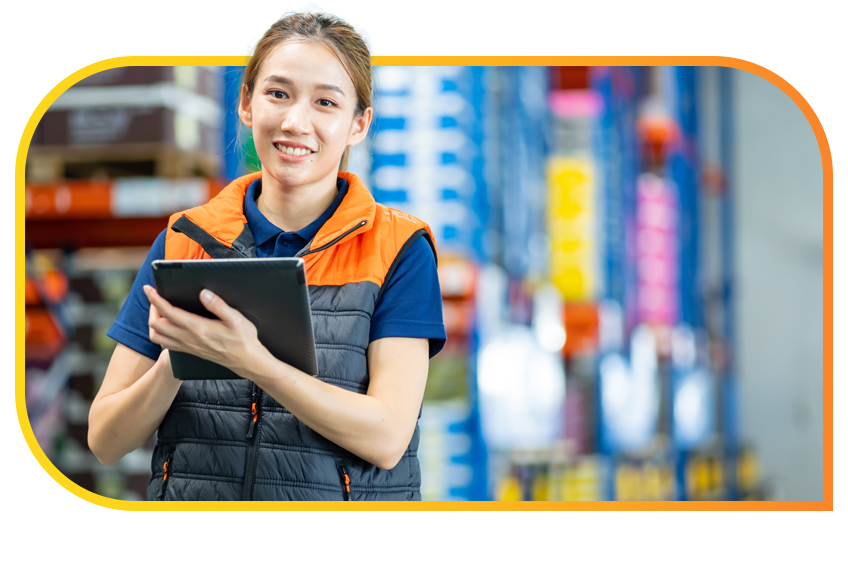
[(401, 228), (409, 304), (390, 228), (130, 327), (397, 219), (372, 255), (157, 250), (417, 257)]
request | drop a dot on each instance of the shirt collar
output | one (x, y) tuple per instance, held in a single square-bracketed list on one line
[(262, 228)]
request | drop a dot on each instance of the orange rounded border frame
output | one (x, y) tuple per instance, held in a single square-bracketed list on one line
[(826, 504)]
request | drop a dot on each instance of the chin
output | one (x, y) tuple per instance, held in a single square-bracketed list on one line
[(293, 178)]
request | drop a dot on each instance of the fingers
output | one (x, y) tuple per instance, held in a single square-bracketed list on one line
[(164, 328), (168, 343), (166, 310), (152, 319), (222, 341), (157, 303), (212, 302), (218, 307), (176, 329), (172, 336), (165, 321), (154, 315)]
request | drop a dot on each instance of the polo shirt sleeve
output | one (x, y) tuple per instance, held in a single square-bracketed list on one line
[(130, 328), (411, 302)]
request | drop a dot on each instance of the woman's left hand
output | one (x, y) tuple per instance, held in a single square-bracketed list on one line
[(230, 341)]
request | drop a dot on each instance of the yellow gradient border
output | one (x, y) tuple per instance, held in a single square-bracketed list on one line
[(826, 504)]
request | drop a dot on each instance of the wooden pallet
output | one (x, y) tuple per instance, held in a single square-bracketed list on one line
[(55, 163)]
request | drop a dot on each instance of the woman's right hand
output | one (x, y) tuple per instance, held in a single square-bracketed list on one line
[(164, 363), (152, 318), (165, 357)]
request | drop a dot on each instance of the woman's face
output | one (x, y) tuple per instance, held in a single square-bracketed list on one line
[(302, 115)]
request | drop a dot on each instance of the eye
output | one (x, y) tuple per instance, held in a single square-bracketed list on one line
[(277, 94), (326, 103)]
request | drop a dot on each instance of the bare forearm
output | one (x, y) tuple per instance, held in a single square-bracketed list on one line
[(122, 421), (364, 425)]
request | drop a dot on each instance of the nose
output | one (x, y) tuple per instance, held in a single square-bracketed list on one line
[(296, 120)]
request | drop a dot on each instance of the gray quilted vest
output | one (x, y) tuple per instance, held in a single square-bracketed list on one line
[(224, 440)]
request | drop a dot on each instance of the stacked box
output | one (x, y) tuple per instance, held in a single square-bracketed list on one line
[(162, 121)]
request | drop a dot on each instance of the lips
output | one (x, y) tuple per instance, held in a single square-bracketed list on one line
[(293, 151)]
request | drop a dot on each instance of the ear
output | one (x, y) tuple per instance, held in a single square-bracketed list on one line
[(244, 108), (360, 126)]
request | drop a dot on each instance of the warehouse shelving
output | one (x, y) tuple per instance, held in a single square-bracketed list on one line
[(511, 164)]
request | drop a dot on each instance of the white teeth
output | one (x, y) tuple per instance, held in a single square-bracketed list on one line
[(296, 152)]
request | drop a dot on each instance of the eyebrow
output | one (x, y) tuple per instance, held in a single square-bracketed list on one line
[(288, 82)]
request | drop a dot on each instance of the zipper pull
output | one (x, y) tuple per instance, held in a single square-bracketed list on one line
[(160, 496), (345, 479), (251, 429)]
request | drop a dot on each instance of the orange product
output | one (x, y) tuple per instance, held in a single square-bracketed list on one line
[(43, 338), (581, 328), (457, 277)]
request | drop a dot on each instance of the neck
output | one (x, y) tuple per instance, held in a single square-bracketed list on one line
[(292, 208)]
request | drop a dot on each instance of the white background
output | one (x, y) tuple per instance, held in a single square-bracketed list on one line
[(46, 41)]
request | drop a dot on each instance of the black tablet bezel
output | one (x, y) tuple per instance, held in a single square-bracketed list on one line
[(271, 292)]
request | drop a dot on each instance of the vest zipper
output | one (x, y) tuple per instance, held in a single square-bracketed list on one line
[(161, 495), (253, 438), (251, 428), (345, 479), (302, 253)]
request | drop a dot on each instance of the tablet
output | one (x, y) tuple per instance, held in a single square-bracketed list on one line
[(271, 292)]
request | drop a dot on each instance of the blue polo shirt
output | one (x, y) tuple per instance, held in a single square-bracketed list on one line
[(410, 305)]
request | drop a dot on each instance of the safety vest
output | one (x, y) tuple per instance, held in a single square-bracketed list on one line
[(229, 440)]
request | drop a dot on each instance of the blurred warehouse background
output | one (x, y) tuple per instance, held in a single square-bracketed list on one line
[(630, 259)]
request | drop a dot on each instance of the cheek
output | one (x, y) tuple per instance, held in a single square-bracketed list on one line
[(263, 125), (334, 131), (263, 119)]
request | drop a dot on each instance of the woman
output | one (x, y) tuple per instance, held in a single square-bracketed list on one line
[(349, 433)]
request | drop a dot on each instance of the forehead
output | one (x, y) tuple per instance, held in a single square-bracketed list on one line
[(306, 62)]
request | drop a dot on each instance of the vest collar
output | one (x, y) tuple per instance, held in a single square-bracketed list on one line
[(357, 207)]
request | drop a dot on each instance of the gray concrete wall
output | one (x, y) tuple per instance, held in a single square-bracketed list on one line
[(779, 204)]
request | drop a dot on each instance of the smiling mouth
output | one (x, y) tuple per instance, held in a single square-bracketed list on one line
[(293, 151)]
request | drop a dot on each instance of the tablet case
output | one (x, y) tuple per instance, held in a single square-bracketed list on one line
[(271, 292)]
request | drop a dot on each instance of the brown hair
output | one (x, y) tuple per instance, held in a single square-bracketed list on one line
[(337, 34)]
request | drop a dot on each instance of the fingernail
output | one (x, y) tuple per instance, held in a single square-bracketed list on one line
[(206, 295)]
